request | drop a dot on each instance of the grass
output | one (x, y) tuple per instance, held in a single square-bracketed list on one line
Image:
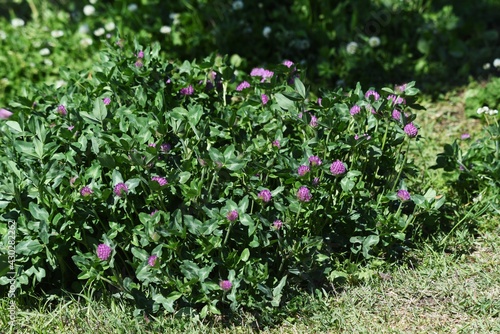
[(435, 292)]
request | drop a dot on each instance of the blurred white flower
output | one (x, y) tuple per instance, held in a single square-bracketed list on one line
[(482, 110), (352, 47), (48, 62), (374, 41), (93, 1), (492, 112), (84, 29), (132, 7), (266, 32), (237, 5), (57, 33), (110, 26), (17, 22), (44, 52), (88, 10), (165, 30), (486, 66), (86, 41), (60, 83), (99, 32), (496, 62), (3, 35), (175, 18)]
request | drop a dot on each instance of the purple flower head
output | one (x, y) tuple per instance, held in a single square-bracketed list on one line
[(120, 189), (354, 110), (465, 136), (189, 90), (140, 55), (232, 215), (161, 180), (4, 113), (152, 260), (106, 100), (153, 213), (299, 115), (396, 99), (139, 64), (242, 86), (319, 101), (337, 168), (403, 195), (396, 114), (225, 285), (261, 72), (165, 147), (303, 170), (401, 88), (86, 191), (264, 99), (411, 130), (265, 195), (304, 195), (152, 145), (373, 93), (288, 63), (315, 181), (276, 143), (315, 160), (314, 121), (103, 252), (62, 110), (277, 224), (71, 127)]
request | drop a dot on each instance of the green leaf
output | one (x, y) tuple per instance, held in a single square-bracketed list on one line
[(368, 243), (215, 155), (277, 292), (184, 177), (14, 126), (245, 255), (168, 302), (284, 102), (100, 111), (299, 86), (38, 213), (29, 247)]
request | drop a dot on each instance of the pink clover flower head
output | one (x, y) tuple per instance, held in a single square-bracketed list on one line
[(300, 115), (152, 145), (288, 63), (71, 127), (138, 64), (373, 93), (140, 55), (465, 136), (304, 194), (261, 72), (152, 260), (226, 285), (303, 170), (153, 212), (265, 195), (403, 195), (396, 99), (411, 130), (4, 113), (337, 168), (277, 224), (61, 109), (396, 114), (120, 189), (86, 191), (319, 101), (242, 86), (189, 90), (401, 88), (232, 215), (264, 99), (161, 180), (354, 110), (103, 252), (314, 121), (314, 160), (276, 143), (106, 100)]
